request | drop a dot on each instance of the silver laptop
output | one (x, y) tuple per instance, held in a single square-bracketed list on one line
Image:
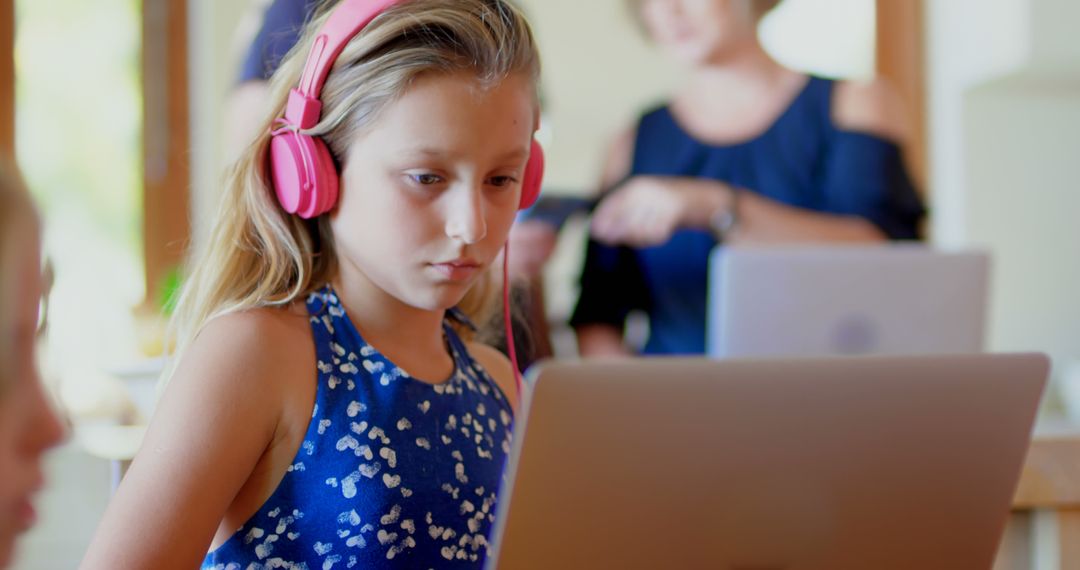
[(785, 464), (821, 300)]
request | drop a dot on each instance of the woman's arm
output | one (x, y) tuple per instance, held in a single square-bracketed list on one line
[(600, 341), (216, 419), (648, 209), (766, 221)]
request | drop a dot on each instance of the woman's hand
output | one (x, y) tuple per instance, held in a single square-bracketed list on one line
[(646, 210)]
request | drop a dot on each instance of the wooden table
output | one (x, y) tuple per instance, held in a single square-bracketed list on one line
[(1044, 530)]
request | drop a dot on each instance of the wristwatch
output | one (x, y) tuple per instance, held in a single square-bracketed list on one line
[(723, 222)]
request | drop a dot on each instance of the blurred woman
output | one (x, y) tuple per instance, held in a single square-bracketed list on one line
[(746, 151)]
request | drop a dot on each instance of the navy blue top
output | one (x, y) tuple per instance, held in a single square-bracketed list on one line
[(392, 473), (280, 30), (802, 160)]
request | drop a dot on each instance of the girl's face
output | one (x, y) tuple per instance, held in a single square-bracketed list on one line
[(698, 31), (28, 425), (431, 188)]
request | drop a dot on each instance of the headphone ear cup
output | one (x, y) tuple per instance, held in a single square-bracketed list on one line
[(533, 178), (305, 178), (289, 174), (325, 192)]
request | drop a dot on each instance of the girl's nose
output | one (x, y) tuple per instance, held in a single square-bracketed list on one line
[(465, 215)]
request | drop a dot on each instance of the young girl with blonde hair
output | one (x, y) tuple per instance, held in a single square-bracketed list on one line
[(28, 426), (328, 409)]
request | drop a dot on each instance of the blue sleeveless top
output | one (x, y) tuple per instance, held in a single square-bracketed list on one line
[(392, 472), (801, 160)]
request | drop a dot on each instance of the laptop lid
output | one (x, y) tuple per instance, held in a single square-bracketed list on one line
[(850, 299), (794, 464)]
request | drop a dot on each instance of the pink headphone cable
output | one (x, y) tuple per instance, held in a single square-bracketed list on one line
[(506, 321)]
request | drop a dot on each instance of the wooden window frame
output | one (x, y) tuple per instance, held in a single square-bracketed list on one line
[(166, 132), (166, 142), (901, 41)]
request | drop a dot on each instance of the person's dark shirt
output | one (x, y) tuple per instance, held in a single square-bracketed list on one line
[(280, 30)]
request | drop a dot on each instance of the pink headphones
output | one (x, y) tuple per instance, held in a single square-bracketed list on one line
[(304, 176)]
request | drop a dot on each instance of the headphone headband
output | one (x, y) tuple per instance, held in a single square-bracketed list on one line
[(346, 19)]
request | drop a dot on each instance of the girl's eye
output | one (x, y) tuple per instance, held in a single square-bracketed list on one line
[(425, 179), (501, 181)]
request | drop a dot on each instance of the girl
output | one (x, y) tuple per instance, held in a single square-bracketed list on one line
[(28, 426), (745, 152), (326, 410)]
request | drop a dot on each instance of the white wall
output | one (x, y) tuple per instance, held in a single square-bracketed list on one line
[(1023, 145), (1004, 95), (1004, 89), (834, 38), (969, 41)]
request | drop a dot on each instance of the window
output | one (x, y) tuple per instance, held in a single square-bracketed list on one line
[(101, 115), (78, 124)]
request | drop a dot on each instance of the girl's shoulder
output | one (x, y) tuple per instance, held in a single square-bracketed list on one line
[(498, 367), (252, 350), (268, 323), (259, 330)]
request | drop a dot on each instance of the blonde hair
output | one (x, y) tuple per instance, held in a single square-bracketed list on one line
[(19, 229), (259, 256)]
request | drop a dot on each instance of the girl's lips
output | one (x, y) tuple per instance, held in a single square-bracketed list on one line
[(458, 269), (23, 511), (25, 515)]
